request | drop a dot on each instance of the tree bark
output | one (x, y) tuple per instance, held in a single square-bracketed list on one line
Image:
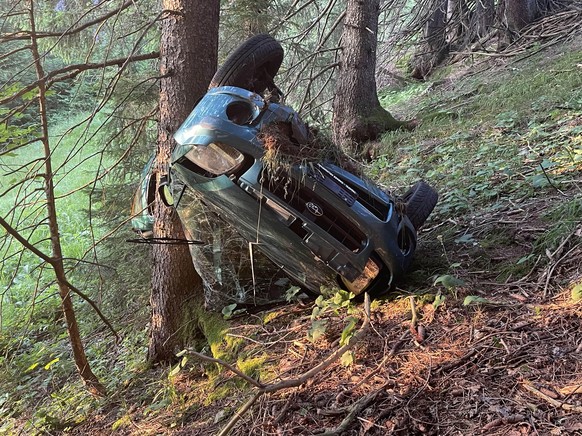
[(519, 13), (514, 15), (188, 50), (434, 47), (485, 16), (357, 114), (56, 259)]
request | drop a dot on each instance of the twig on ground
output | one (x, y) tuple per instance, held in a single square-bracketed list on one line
[(417, 331), (555, 264), (355, 410), (556, 403), (239, 413), (289, 383), (513, 419)]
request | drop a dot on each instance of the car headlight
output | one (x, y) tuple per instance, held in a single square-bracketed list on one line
[(216, 158)]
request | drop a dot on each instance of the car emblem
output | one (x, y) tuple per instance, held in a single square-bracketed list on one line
[(314, 208)]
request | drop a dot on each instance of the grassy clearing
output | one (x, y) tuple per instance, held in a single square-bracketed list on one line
[(481, 141), (492, 143), (77, 159), (34, 348)]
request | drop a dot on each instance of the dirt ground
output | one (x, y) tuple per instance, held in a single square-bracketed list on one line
[(508, 366)]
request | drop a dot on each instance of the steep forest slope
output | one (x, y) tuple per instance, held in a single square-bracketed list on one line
[(484, 336)]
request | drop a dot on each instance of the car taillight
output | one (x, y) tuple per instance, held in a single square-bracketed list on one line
[(216, 158)]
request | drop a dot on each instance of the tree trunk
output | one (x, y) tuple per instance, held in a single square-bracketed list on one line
[(357, 114), (56, 259), (188, 52), (434, 47), (514, 15), (485, 16)]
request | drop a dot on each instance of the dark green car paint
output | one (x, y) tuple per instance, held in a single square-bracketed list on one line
[(358, 221)]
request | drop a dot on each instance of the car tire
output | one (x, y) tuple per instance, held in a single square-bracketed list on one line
[(252, 66), (420, 200)]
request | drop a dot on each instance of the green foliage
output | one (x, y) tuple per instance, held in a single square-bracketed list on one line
[(317, 329), (341, 299), (340, 303), (563, 220), (347, 358), (475, 300), (482, 155), (389, 97), (229, 310), (348, 330), (449, 282), (439, 300), (292, 292)]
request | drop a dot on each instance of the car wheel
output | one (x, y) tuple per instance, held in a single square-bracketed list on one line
[(420, 200), (251, 66)]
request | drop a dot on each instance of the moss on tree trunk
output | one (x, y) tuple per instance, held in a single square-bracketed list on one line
[(188, 59)]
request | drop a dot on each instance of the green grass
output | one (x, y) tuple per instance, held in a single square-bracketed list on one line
[(489, 137), (76, 160), (32, 333)]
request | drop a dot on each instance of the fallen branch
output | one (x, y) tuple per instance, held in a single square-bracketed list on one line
[(355, 410), (512, 419), (269, 388), (556, 403), (239, 413)]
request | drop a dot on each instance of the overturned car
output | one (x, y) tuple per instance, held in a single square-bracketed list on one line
[(311, 221)]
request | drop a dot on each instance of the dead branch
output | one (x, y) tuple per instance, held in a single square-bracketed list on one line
[(26, 34), (355, 410), (71, 71), (273, 387), (513, 419), (556, 403)]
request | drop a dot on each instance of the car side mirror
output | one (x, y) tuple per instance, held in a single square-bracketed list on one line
[(165, 191)]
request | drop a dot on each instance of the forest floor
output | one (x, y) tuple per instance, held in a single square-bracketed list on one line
[(510, 364), (495, 346)]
